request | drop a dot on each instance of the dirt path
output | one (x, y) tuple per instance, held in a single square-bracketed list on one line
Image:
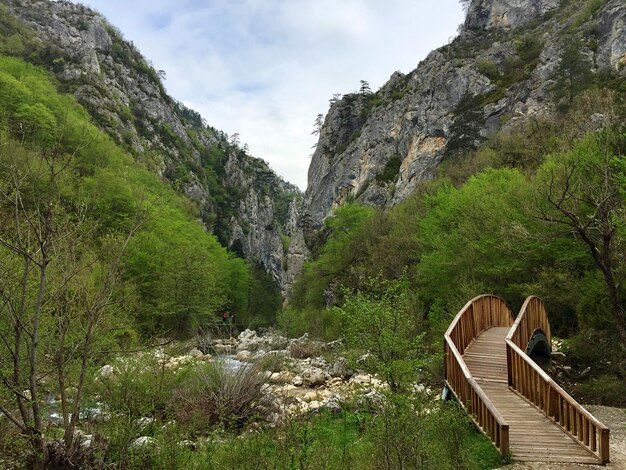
[(615, 419)]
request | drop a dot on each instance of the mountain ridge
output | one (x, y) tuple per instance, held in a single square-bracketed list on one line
[(239, 197)]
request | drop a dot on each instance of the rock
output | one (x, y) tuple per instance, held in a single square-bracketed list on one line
[(314, 405), (297, 381), (304, 348), (370, 400), (333, 345), (339, 368), (506, 14), (585, 373), (310, 396), (332, 404), (141, 442), (187, 444), (243, 355), (195, 352), (313, 377), (280, 377), (95, 414), (247, 335), (364, 358), (144, 422), (106, 372), (220, 348)]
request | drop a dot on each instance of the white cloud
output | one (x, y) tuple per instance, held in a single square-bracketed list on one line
[(266, 68)]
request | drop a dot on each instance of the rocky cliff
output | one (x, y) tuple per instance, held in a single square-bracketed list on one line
[(502, 69), (238, 196)]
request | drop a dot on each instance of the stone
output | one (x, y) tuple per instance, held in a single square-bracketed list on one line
[(280, 377), (313, 377), (585, 373), (243, 355), (506, 14), (247, 335), (195, 352), (141, 442), (297, 381), (144, 422), (220, 348), (339, 368), (332, 404), (107, 371)]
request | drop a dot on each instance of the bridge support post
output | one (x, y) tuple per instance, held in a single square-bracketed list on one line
[(504, 439), (604, 445)]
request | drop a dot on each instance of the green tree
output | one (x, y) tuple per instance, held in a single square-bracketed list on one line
[(582, 191), (573, 73), (379, 319)]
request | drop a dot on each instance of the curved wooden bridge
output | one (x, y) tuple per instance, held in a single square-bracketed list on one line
[(510, 398)]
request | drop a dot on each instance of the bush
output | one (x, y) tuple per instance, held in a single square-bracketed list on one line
[(488, 69), (379, 319), (319, 323), (140, 387), (302, 349), (215, 395), (410, 432), (604, 390)]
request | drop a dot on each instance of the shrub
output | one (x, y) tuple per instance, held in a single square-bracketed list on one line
[(302, 349), (379, 319), (409, 432), (390, 171), (140, 387), (318, 322), (215, 395), (488, 69), (604, 390)]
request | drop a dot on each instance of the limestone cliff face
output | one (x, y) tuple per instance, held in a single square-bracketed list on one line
[(504, 14), (500, 70), (239, 197)]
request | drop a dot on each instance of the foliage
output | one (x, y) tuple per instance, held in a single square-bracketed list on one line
[(411, 434), (573, 74), (318, 322), (466, 125), (342, 230), (217, 395), (390, 171), (604, 390), (380, 320), (140, 386)]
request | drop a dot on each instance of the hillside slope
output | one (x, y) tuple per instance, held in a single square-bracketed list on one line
[(239, 197)]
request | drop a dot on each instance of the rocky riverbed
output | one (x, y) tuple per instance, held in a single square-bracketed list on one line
[(302, 375)]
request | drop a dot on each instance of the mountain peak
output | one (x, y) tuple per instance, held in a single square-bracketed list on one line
[(505, 14)]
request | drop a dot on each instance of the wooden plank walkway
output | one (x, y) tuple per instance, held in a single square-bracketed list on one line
[(532, 436)]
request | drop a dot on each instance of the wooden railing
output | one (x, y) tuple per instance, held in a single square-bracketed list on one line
[(532, 318), (530, 381), (477, 315)]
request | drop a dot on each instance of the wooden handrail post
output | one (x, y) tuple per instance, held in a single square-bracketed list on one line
[(604, 445), (504, 439)]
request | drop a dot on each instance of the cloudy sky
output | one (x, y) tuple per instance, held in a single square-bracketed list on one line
[(266, 68)]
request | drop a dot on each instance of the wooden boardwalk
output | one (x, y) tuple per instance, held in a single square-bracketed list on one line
[(515, 403)]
